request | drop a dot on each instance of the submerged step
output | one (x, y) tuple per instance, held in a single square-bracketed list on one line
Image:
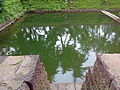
[(22, 73), (116, 18), (105, 75), (66, 86)]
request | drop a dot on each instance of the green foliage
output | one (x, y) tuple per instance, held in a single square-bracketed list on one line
[(46, 5), (71, 4), (97, 4), (13, 8), (10, 9), (1, 6)]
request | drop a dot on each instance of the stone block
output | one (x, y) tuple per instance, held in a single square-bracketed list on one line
[(105, 75), (22, 73)]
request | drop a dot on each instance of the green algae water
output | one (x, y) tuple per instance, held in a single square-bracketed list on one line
[(66, 42)]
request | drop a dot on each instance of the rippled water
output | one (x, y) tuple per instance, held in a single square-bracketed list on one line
[(66, 42)]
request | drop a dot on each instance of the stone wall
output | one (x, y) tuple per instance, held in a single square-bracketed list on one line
[(105, 75), (9, 23), (22, 73)]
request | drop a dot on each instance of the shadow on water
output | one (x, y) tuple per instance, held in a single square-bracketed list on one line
[(67, 43)]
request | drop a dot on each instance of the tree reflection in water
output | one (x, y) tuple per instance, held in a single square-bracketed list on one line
[(65, 49)]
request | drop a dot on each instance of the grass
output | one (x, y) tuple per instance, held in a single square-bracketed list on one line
[(13, 8), (97, 4), (47, 5), (75, 4)]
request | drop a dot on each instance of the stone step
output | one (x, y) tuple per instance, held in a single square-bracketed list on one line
[(66, 86)]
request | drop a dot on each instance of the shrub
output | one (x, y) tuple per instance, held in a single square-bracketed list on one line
[(1, 6)]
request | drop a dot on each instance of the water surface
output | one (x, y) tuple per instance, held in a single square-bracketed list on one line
[(66, 42)]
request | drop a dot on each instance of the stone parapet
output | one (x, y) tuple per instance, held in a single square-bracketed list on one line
[(22, 73), (105, 74)]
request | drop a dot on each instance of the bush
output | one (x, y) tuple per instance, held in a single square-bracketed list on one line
[(13, 8), (1, 6), (10, 9)]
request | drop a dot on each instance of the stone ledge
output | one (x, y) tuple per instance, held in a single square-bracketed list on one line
[(105, 75), (70, 10), (22, 73), (8, 23)]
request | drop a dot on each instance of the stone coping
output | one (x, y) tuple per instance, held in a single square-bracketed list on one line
[(8, 23), (70, 10)]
